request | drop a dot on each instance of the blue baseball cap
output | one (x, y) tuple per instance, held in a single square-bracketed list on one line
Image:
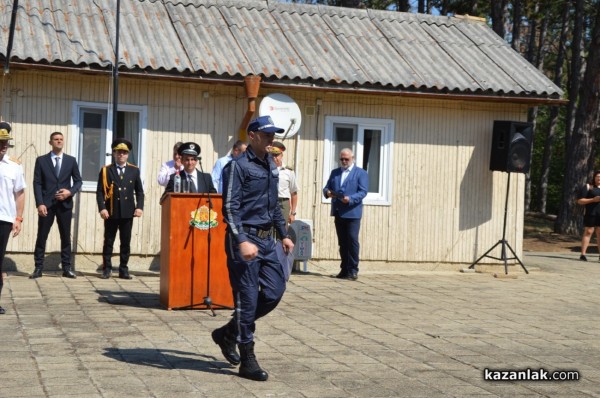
[(264, 124)]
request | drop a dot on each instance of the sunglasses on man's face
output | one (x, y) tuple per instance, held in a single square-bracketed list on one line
[(345, 159)]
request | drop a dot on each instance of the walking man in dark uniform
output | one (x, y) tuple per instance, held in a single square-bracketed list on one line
[(120, 197), (251, 211)]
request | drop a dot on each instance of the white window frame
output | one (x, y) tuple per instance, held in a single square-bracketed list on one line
[(384, 196), (91, 186)]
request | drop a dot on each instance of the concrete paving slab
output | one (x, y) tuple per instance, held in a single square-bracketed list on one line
[(396, 332)]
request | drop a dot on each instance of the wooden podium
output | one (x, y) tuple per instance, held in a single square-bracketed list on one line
[(184, 261)]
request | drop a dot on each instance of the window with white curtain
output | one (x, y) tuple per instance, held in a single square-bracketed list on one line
[(93, 137), (371, 141)]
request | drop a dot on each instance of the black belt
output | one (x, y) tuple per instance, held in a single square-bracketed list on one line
[(261, 233), (283, 199)]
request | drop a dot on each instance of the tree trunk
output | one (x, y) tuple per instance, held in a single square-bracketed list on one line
[(498, 12), (516, 31), (576, 69), (583, 139), (349, 3), (403, 5), (535, 57), (542, 193), (542, 48), (531, 41)]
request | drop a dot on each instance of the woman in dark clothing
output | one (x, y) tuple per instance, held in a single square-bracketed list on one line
[(590, 197)]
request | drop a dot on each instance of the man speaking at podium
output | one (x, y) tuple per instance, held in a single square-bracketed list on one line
[(251, 211), (197, 181)]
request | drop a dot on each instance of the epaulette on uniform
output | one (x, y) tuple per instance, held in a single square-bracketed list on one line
[(13, 159), (132, 165)]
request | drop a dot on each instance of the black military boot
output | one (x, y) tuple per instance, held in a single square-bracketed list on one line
[(250, 369), (225, 338)]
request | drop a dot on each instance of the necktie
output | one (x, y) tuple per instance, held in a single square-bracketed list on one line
[(192, 185), (57, 166), (121, 171)]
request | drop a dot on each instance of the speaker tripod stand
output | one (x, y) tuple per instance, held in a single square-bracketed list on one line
[(503, 242)]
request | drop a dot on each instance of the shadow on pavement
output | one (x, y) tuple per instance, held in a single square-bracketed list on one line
[(129, 298), (169, 359)]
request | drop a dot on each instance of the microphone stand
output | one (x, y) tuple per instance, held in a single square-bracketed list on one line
[(207, 300)]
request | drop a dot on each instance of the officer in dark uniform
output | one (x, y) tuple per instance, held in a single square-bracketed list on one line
[(120, 197), (198, 182), (251, 211)]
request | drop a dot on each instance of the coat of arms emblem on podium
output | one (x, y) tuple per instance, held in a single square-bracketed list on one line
[(203, 218)]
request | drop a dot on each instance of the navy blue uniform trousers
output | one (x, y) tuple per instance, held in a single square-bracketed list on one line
[(63, 219), (347, 230), (5, 231), (111, 226), (258, 285)]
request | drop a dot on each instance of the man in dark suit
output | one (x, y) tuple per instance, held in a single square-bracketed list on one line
[(347, 186), (56, 179), (194, 179), (120, 197)]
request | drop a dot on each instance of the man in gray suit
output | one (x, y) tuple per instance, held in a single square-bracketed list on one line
[(56, 179)]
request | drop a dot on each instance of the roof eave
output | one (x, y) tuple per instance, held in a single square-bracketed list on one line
[(302, 85)]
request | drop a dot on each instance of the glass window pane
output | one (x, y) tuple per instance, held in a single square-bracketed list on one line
[(371, 141), (128, 126), (372, 157), (344, 137), (92, 144)]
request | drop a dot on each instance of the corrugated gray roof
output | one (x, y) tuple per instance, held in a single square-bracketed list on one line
[(306, 44)]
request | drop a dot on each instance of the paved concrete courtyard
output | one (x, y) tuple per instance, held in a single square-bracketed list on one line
[(389, 334)]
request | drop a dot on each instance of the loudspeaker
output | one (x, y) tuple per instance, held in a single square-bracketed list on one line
[(511, 146)]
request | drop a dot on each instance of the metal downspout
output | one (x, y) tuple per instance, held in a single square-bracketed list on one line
[(11, 35), (252, 85)]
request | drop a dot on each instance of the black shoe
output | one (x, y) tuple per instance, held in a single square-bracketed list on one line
[(125, 275), (226, 342), (2, 311), (353, 276), (583, 257), (69, 274), (106, 274), (36, 274), (341, 275), (250, 369)]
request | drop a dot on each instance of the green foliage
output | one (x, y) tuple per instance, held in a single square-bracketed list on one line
[(557, 164)]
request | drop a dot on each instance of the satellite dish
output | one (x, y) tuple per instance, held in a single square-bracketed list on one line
[(284, 112)]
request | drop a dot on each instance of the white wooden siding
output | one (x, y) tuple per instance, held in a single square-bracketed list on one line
[(447, 205)]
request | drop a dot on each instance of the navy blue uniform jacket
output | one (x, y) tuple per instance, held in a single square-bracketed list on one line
[(204, 180), (126, 194), (250, 195)]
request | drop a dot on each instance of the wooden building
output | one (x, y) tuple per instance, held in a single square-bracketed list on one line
[(415, 96)]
